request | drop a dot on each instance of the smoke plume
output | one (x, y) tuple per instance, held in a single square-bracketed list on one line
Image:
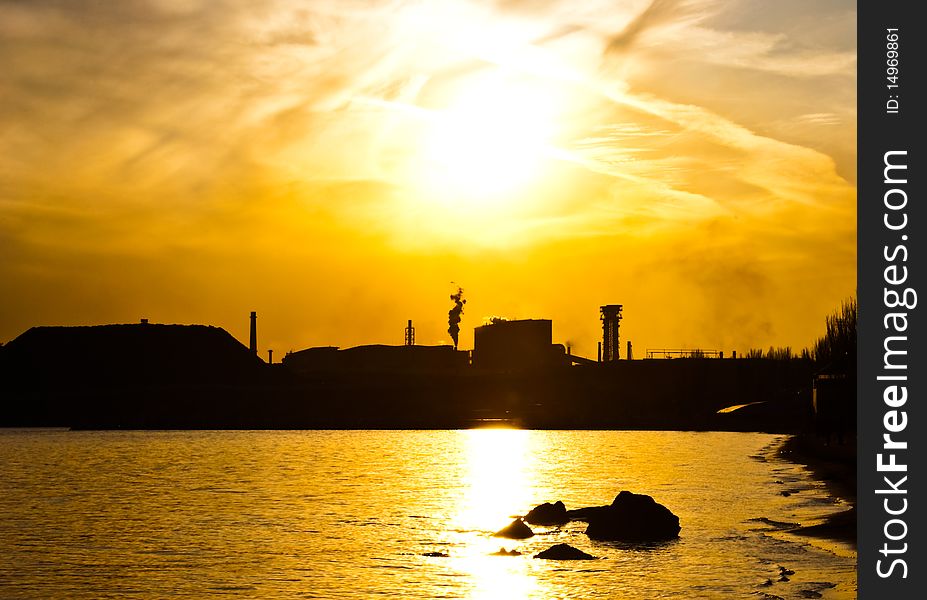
[(453, 315)]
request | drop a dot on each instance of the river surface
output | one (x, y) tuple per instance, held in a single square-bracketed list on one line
[(351, 514)]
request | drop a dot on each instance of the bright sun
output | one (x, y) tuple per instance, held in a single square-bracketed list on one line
[(489, 143)]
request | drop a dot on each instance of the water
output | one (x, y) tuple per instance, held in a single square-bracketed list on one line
[(343, 514)]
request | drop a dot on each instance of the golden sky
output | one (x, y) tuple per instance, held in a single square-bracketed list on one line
[(335, 164)]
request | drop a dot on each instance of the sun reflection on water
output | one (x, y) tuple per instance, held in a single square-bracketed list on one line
[(498, 477), (499, 467)]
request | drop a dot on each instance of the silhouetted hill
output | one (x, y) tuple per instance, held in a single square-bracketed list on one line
[(107, 354), (55, 373)]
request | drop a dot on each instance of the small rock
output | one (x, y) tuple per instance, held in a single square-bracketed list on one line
[(504, 552), (548, 514), (786, 493), (564, 552), (516, 530), (436, 554), (784, 571)]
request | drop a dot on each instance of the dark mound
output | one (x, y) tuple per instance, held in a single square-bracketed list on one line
[(548, 514), (633, 518), (516, 530), (564, 552), (125, 375), (109, 355)]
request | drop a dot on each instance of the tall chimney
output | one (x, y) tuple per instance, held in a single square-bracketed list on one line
[(253, 344), (410, 334)]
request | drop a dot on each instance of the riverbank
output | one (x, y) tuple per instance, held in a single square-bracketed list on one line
[(835, 465)]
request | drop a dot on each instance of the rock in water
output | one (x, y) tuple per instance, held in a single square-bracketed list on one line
[(504, 552), (548, 514), (516, 530), (633, 518), (564, 552), (585, 514)]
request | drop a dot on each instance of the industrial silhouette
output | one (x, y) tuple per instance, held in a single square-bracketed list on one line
[(193, 376)]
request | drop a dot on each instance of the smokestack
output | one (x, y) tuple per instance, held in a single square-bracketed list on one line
[(453, 315), (253, 344), (600, 352), (270, 356), (410, 334)]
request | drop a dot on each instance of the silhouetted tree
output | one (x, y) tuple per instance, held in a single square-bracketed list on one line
[(780, 353), (839, 340), (835, 384)]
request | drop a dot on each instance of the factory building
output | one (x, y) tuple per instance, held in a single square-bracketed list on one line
[(516, 346)]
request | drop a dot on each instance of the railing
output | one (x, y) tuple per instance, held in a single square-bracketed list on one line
[(693, 353)]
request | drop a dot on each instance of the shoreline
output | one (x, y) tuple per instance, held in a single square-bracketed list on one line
[(835, 465)]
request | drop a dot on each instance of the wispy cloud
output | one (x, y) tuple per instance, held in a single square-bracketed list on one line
[(144, 130)]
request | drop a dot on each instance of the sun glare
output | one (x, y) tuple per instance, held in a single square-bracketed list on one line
[(499, 470), (498, 463), (487, 145)]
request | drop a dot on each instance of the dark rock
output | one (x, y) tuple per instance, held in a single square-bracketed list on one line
[(633, 518), (435, 554), (516, 530), (586, 514), (564, 552), (504, 552), (548, 514)]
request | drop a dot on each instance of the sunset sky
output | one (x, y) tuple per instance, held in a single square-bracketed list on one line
[(335, 165)]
